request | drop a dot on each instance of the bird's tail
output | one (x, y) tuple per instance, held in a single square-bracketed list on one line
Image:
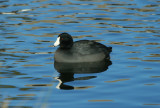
[(110, 49)]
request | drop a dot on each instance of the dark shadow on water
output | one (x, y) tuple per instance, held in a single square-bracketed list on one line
[(67, 71)]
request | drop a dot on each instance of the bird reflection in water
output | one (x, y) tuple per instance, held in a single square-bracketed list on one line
[(67, 71)]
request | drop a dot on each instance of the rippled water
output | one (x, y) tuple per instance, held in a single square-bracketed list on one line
[(30, 79)]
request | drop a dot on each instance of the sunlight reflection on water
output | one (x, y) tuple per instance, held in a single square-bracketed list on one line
[(29, 78)]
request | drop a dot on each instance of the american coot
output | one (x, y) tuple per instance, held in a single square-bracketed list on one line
[(79, 51)]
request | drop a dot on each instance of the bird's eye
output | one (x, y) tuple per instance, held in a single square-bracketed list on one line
[(61, 38)]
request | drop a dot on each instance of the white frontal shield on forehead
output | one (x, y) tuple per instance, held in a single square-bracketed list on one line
[(57, 42)]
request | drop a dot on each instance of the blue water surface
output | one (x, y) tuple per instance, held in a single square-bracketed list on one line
[(29, 78)]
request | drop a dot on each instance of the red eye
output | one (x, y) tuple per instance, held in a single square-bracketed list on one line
[(61, 38)]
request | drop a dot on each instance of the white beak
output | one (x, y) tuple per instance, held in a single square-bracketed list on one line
[(57, 42)]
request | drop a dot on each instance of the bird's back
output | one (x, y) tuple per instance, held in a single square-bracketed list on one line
[(88, 47)]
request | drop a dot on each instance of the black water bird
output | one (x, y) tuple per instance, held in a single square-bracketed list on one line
[(79, 51)]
